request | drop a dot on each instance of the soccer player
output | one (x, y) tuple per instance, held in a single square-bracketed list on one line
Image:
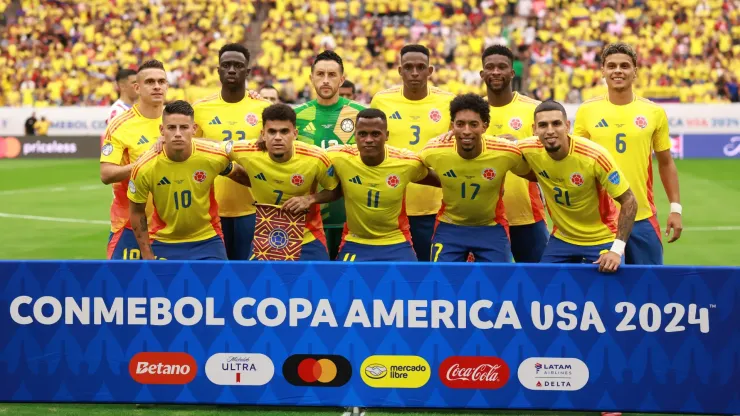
[(232, 115), (472, 169), (270, 93), (374, 178), (512, 118), (127, 137), (328, 120), (631, 128), (347, 90), (579, 179), (417, 113), (125, 80), (286, 172), (185, 224)]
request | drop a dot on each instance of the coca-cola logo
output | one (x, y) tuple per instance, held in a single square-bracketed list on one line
[(461, 372)]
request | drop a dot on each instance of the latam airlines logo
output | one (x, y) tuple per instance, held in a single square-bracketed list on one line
[(163, 368), (239, 369), (474, 372), (562, 374)]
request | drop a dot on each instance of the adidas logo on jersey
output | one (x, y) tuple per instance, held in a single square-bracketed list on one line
[(395, 116), (356, 180), (544, 174), (310, 127), (142, 140), (450, 174), (164, 181), (215, 121), (260, 176), (602, 123)]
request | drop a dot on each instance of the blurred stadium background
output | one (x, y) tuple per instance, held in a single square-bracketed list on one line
[(65, 54)]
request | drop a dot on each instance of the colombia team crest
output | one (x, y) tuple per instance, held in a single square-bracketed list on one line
[(278, 234), (199, 176), (393, 180), (297, 179), (435, 115), (251, 119), (576, 179), (641, 122), (489, 174), (516, 123)]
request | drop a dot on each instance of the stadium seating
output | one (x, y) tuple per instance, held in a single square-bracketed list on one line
[(65, 53)]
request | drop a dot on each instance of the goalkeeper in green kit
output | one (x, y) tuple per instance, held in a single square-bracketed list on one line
[(328, 120)]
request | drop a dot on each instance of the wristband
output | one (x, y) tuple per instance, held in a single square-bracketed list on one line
[(618, 247), (676, 207)]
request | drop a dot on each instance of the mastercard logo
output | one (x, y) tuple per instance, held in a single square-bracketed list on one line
[(10, 147), (317, 370)]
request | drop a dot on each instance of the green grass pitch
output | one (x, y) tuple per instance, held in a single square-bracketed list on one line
[(58, 209)]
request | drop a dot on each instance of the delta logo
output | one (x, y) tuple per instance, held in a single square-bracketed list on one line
[(230, 369), (395, 371), (559, 374), (296, 179), (162, 368), (317, 370), (468, 372), (516, 123), (435, 115), (251, 119)]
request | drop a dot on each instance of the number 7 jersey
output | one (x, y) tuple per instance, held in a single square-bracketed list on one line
[(630, 133)]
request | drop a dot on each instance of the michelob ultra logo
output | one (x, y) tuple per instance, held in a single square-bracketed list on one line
[(395, 371)]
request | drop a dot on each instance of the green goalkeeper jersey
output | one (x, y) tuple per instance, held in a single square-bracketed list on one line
[(326, 126)]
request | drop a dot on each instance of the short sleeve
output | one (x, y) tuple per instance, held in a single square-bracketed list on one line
[(418, 170), (328, 176), (138, 188), (661, 136), (521, 167), (610, 176), (580, 129), (112, 150)]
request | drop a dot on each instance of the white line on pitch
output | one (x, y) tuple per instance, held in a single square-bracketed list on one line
[(54, 189), (53, 219), (717, 228)]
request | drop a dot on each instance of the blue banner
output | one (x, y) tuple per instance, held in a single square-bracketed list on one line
[(663, 339), (686, 146)]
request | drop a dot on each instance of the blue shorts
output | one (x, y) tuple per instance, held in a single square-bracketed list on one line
[(528, 242), (351, 251), (238, 235), (122, 245), (558, 251), (452, 243), (313, 251), (644, 245), (422, 230), (210, 249)]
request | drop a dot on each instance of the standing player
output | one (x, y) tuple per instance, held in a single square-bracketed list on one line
[(126, 139), (285, 172), (632, 128), (270, 93), (328, 121), (417, 114), (512, 118), (185, 224), (125, 80), (232, 115), (579, 179), (374, 178), (472, 169), (347, 90)]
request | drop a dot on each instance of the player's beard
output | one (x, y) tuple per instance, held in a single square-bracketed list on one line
[(324, 95), (553, 149), (497, 90)]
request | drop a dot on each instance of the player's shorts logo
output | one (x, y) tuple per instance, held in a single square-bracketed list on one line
[(435, 115), (516, 123), (252, 119), (614, 178), (576, 179), (278, 238), (347, 125), (641, 122), (107, 149), (489, 174), (393, 180), (199, 176), (131, 186), (296, 179)]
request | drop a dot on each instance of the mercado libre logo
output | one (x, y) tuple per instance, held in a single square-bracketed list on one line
[(317, 370), (395, 371)]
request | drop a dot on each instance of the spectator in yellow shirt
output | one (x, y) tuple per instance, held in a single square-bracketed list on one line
[(42, 127)]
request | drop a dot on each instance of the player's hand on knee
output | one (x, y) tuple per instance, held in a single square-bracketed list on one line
[(609, 262), (298, 204), (675, 224)]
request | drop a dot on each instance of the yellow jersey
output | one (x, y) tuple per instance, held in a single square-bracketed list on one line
[(185, 207), (578, 189), (522, 199), (274, 183), (221, 121), (472, 189), (127, 137), (411, 125), (374, 196), (630, 133)]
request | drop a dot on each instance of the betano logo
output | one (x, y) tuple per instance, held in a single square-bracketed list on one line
[(228, 369), (163, 368), (317, 370), (549, 373), (395, 371)]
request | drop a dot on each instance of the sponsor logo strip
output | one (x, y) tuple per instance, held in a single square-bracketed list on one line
[(163, 368), (230, 369), (395, 371), (562, 374)]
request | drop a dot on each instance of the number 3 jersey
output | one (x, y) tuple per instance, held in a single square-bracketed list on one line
[(630, 133), (578, 189), (221, 121), (185, 208)]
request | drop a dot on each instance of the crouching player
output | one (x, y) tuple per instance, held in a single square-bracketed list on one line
[(186, 225)]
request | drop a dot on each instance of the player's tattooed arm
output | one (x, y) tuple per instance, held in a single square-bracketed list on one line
[(139, 224), (432, 179), (239, 175), (298, 204), (112, 173), (626, 214)]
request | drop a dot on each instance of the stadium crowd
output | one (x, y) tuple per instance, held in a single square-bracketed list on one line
[(66, 53)]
